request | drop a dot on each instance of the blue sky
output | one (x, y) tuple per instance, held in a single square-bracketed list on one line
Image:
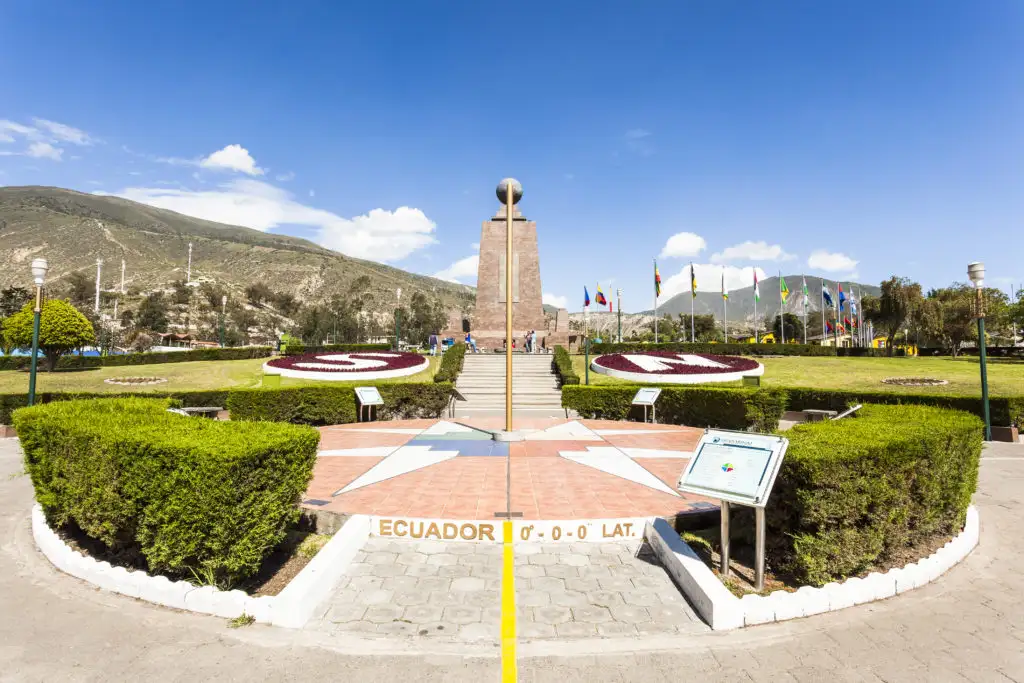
[(840, 139)]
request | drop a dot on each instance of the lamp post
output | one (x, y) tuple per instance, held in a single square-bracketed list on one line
[(976, 271), (398, 315), (39, 268), (618, 295), (223, 312), (509, 192)]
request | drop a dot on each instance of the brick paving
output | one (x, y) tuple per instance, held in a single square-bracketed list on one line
[(544, 485)]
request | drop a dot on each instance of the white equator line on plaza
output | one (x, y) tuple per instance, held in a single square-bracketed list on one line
[(613, 461)]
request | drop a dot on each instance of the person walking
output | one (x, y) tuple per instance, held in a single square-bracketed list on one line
[(470, 342), (533, 342), (433, 343)]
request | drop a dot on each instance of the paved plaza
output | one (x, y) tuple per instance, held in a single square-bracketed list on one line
[(967, 626)]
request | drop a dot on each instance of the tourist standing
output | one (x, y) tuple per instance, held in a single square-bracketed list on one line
[(533, 341), (433, 343), (470, 342)]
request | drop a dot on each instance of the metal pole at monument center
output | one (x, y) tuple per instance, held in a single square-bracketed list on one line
[(510, 192)]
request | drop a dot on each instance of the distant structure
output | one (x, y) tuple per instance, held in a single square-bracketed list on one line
[(188, 272), (99, 270), (122, 277)]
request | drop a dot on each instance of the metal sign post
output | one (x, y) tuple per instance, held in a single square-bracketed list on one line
[(367, 397), (736, 468), (647, 397)]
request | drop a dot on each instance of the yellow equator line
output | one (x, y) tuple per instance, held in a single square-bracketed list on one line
[(509, 672)]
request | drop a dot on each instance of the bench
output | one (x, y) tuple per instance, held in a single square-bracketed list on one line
[(210, 412), (816, 415)]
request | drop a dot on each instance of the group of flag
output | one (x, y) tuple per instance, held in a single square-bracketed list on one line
[(599, 298)]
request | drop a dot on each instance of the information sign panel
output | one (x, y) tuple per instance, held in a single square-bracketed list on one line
[(369, 396), (646, 396), (736, 467)]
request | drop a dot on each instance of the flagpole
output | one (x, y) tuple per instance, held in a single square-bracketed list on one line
[(693, 295), (821, 296), (755, 308), (835, 328), (725, 310), (655, 302), (782, 317), (803, 280)]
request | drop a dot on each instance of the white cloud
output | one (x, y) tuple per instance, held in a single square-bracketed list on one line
[(831, 262), (752, 251), (709, 279), (555, 300), (4, 137), (639, 141), (10, 127), (463, 268), (637, 134), (379, 235), (44, 150), (683, 244), (232, 158), (285, 177), (64, 132)]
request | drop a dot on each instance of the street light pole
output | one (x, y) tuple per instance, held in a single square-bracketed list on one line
[(398, 314), (39, 268), (223, 312), (976, 272)]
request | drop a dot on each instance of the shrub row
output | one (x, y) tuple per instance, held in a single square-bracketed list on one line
[(736, 408), (198, 499), (188, 399), (451, 363), (326, 405), (856, 492), (296, 347), (563, 367), (722, 349), (78, 362), (991, 351)]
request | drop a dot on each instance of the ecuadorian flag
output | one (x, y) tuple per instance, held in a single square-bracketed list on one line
[(600, 298)]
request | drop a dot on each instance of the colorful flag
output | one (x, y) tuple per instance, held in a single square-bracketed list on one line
[(842, 297), (757, 290), (657, 281), (826, 295), (783, 289), (828, 327), (807, 297), (586, 297), (725, 292), (599, 297), (693, 283)]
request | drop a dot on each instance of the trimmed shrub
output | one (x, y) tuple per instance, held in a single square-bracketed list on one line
[(451, 363), (187, 399), (79, 362), (856, 492), (866, 352), (695, 406), (719, 349), (345, 348), (1005, 410), (197, 498), (327, 405), (563, 367)]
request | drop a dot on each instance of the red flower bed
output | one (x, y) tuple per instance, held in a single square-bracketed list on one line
[(391, 361), (618, 361)]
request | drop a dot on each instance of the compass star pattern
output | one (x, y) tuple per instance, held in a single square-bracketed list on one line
[(455, 470)]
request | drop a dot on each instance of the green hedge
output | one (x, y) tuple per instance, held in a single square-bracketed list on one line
[(79, 362), (696, 406), (856, 492), (721, 349), (296, 348), (563, 367), (1005, 410), (188, 399), (451, 363), (314, 405), (199, 499)]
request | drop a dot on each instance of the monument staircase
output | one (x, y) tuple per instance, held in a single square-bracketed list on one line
[(534, 384)]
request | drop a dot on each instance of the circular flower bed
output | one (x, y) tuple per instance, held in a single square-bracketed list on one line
[(134, 381), (348, 367), (915, 381), (676, 368)]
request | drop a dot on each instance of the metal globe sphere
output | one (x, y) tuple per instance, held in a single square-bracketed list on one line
[(502, 191)]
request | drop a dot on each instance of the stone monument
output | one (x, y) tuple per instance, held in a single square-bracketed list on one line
[(488, 320)]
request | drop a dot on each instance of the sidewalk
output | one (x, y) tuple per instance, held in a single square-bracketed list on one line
[(967, 626)]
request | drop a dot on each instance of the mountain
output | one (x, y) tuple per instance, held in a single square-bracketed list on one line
[(741, 301), (72, 230)]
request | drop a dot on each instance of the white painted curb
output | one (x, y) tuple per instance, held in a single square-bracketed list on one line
[(723, 610), (291, 608), (651, 378)]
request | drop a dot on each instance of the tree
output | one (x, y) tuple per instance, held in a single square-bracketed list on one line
[(899, 301), (794, 327), (81, 289), (703, 327), (182, 292), (62, 328), (152, 313), (947, 316), (286, 304), (257, 293), (12, 299)]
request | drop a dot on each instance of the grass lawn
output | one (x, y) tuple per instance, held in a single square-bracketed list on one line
[(194, 375), (1004, 379)]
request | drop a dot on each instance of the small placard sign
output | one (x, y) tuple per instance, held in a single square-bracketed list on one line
[(734, 466), (646, 396), (369, 396)]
